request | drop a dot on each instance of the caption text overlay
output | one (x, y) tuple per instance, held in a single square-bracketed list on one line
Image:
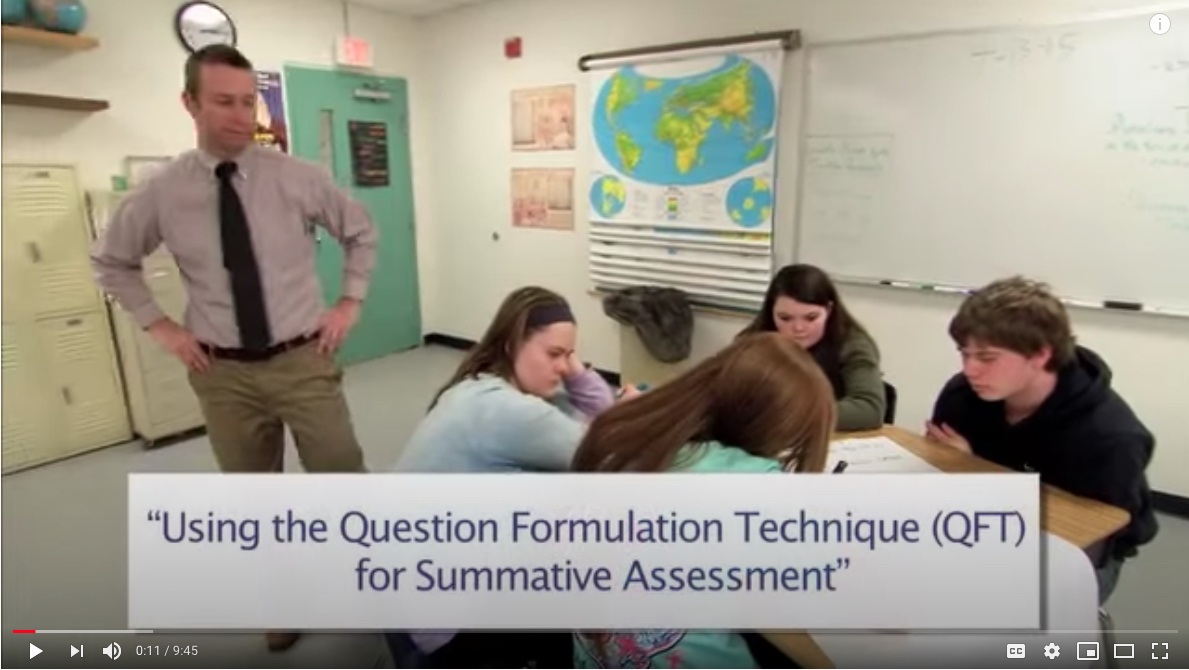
[(525, 551)]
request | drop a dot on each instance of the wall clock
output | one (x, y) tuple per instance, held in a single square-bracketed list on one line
[(200, 24)]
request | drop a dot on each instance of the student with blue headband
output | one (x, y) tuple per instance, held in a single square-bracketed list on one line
[(519, 402)]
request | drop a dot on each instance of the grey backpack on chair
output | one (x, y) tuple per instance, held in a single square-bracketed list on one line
[(662, 317)]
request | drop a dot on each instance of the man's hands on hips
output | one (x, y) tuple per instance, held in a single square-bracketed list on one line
[(181, 343), (337, 324)]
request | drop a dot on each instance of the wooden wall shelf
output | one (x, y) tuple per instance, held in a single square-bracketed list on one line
[(47, 38), (53, 102)]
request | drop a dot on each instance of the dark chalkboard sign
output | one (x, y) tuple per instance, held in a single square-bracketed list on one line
[(369, 152)]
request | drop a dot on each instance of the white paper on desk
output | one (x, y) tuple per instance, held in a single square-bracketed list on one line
[(874, 454)]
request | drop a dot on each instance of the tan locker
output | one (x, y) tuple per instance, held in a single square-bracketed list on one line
[(31, 433), (43, 206), (80, 364), (62, 388)]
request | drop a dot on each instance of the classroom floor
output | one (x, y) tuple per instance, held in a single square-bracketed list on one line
[(65, 542)]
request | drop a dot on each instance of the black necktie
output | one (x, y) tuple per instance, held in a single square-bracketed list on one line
[(240, 261)]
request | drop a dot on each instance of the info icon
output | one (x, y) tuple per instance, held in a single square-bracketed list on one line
[(1160, 24), (1015, 651)]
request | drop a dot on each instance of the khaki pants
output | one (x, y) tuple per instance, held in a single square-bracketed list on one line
[(248, 404)]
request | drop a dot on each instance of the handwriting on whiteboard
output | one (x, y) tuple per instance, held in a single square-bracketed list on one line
[(1167, 209), (1164, 143), (874, 455), (1121, 125), (1019, 50), (1173, 65), (865, 154), (850, 212), (845, 185)]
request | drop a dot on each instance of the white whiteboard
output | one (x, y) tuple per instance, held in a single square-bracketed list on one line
[(1061, 153)]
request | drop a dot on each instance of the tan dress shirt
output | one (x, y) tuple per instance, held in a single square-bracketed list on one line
[(285, 198)]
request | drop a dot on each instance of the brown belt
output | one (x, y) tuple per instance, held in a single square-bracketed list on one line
[(250, 355)]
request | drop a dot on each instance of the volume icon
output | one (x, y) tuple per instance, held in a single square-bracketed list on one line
[(112, 651)]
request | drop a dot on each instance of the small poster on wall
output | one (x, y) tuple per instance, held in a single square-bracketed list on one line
[(369, 152), (543, 118), (271, 130), (543, 198)]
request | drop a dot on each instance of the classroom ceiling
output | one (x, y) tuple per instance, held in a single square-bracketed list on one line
[(417, 7)]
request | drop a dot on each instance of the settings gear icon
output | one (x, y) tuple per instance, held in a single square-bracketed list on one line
[(1052, 651)]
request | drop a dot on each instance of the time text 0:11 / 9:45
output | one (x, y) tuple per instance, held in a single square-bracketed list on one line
[(166, 650)]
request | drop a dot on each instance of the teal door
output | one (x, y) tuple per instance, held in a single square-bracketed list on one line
[(321, 106)]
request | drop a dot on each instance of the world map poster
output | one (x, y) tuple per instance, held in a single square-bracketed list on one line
[(687, 143)]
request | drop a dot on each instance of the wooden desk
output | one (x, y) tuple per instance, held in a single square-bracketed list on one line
[(1081, 521), (1078, 520)]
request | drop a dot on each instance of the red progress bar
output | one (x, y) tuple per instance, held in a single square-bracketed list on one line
[(24, 631)]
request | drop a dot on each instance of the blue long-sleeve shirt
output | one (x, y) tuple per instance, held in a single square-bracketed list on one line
[(488, 425)]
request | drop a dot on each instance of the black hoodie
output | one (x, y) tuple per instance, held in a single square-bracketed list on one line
[(1083, 439)]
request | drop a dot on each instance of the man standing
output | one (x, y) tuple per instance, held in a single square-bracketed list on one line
[(1029, 398), (239, 220)]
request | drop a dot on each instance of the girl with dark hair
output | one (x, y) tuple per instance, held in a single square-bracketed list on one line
[(803, 305)]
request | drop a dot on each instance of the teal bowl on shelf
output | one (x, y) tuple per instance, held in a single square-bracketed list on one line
[(15, 12), (60, 16)]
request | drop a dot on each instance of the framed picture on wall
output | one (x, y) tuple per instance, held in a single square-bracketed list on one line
[(272, 130), (139, 168), (543, 118)]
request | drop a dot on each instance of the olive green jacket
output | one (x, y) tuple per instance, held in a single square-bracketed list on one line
[(861, 400)]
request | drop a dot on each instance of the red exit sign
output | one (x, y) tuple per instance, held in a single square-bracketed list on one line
[(354, 52)]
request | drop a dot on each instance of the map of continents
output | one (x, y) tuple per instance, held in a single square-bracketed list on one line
[(687, 132)]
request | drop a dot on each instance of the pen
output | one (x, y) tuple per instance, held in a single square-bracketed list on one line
[(838, 469)]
